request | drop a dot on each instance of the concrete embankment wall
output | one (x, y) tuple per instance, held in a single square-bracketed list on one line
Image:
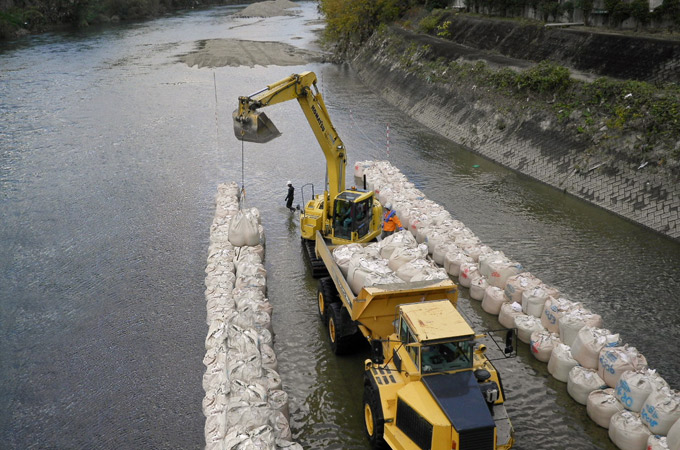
[(519, 137)]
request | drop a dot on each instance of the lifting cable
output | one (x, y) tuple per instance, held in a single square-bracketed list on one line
[(242, 194)]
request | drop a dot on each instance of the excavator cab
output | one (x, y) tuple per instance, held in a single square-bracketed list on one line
[(253, 126), (352, 216)]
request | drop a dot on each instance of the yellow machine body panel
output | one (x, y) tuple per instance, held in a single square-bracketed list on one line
[(360, 218), (428, 385), (376, 307)]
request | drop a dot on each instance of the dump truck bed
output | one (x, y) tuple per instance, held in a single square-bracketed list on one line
[(375, 308)]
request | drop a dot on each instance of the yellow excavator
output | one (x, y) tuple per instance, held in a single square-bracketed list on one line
[(342, 216)]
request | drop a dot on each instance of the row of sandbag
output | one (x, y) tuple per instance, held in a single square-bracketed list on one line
[(613, 380), (244, 404)]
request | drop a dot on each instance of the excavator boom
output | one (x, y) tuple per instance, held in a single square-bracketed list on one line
[(340, 215)]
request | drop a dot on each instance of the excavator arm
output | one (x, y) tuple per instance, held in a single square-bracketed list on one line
[(252, 125)]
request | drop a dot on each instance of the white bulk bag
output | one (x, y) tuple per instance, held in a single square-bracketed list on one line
[(373, 279), (661, 410), (468, 273), (250, 270), (478, 288), (224, 280), (533, 301), (572, 321), (542, 344), (588, 344), (453, 260), (509, 311), (582, 382), (243, 229), (251, 392), (258, 281), (474, 251), (493, 300), (486, 261), (627, 431), (278, 400), (228, 189), (673, 438), (517, 284), (657, 443), (633, 388), (280, 426), (342, 255), (402, 255), (441, 250), (215, 401), (602, 405), (217, 333), (272, 379), (432, 273), (561, 362), (553, 310), (412, 268), (215, 428), (436, 237), (527, 325), (498, 271), (214, 377), (616, 360), (269, 359), (395, 240), (247, 415)]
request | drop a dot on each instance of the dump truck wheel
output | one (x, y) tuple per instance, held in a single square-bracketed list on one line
[(337, 321), (326, 295), (374, 423)]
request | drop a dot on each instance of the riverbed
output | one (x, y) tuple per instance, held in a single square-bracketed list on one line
[(112, 149)]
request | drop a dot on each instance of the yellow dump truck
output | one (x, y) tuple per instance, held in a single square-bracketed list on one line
[(428, 383)]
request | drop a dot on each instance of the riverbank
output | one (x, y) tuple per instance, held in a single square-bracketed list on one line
[(442, 91)]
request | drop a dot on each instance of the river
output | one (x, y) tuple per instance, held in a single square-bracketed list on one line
[(111, 151)]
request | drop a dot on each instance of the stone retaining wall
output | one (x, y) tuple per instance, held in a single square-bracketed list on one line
[(524, 140), (602, 54)]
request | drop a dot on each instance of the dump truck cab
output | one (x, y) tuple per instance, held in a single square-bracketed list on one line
[(432, 387)]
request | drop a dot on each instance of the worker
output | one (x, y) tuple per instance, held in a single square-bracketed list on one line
[(391, 222), (290, 196)]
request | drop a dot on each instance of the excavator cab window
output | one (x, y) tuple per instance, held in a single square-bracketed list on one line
[(352, 216), (343, 224)]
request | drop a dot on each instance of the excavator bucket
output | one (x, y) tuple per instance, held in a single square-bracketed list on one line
[(254, 126)]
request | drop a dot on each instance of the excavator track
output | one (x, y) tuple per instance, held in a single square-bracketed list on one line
[(318, 267)]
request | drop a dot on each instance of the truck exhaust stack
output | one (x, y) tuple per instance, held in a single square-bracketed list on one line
[(254, 126)]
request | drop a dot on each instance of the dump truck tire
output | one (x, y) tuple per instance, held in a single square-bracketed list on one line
[(374, 423), (338, 321), (326, 295)]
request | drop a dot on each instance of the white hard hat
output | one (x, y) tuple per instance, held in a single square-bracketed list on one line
[(289, 182), (388, 205)]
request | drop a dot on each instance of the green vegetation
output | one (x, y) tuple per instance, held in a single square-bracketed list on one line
[(605, 112), (40, 15)]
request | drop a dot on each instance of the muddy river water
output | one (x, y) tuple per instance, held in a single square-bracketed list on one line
[(111, 150)]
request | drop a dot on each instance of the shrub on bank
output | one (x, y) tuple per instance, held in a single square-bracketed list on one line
[(636, 120)]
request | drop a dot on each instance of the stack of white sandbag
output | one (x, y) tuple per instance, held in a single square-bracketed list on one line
[(396, 259), (588, 357), (244, 405)]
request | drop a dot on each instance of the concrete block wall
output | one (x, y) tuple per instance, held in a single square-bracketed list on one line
[(527, 142)]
